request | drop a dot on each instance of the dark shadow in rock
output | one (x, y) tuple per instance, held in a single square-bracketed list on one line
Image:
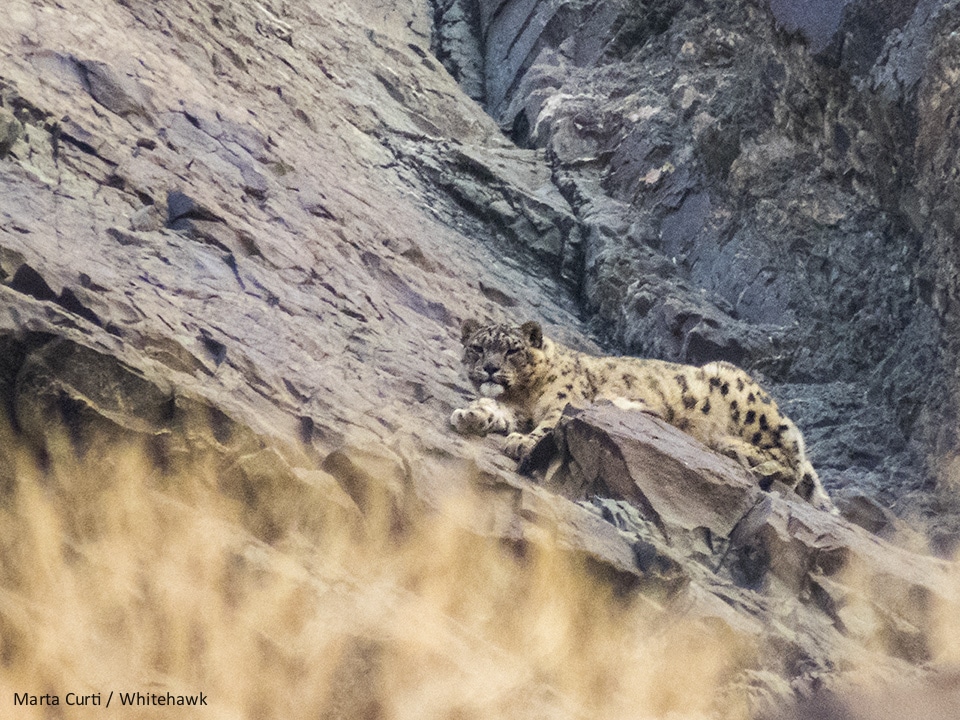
[(68, 300), (29, 282)]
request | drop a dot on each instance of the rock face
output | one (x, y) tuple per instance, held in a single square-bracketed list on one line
[(766, 184), (682, 499), (242, 237)]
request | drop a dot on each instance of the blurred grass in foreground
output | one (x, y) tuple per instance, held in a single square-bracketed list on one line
[(120, 572), (117, 574)]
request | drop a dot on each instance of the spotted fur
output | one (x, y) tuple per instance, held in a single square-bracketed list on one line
[(526, 381)]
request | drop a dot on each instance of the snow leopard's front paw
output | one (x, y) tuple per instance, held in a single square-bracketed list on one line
[(482, 417), (518, 446)]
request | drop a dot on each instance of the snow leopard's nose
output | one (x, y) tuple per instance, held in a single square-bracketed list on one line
[(490, 368)]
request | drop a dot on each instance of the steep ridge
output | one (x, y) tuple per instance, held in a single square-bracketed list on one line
[(239, 240), (765, 183)]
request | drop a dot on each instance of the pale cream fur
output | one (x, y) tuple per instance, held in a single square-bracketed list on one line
[(526, 380)]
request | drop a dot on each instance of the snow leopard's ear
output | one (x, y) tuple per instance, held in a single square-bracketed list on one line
[(533, 333), (468, 328)]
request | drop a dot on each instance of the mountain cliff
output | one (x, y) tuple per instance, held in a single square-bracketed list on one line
[(236, 244)]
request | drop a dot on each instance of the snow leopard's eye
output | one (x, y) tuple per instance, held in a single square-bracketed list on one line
[(512, 351), (478, 349)]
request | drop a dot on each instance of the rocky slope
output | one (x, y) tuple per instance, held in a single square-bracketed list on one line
[(242, 238), (763, 182)]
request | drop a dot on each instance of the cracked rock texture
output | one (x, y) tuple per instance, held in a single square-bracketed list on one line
[(767, 183), (251, 229)]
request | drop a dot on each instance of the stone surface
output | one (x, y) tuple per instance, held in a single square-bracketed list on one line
[(244, 236), (767, 183)]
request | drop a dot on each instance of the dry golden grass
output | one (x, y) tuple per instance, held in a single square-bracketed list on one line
[(117, 576)]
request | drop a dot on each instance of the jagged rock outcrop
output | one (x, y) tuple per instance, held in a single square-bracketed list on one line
[(765, 183), (680, 499), (242, 238)]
